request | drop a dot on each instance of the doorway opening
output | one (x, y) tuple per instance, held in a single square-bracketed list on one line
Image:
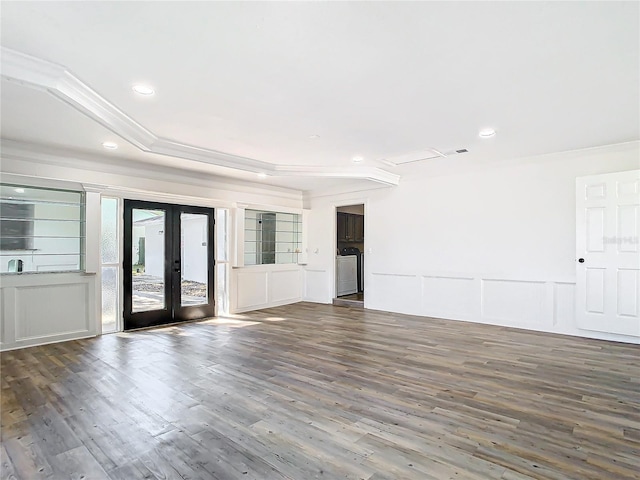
[(168, 263), (350, 240)]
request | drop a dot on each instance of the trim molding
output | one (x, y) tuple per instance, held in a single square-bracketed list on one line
[(42, 155), (57, 80)]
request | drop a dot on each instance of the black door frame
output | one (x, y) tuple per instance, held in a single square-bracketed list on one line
[(173, 311)]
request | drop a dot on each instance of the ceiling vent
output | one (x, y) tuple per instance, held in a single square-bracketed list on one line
[(420, 156)]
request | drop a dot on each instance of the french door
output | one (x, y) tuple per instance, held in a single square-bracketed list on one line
[(168, 263)]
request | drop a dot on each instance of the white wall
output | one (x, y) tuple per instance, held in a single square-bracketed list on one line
[(355, 209), (139, 180), (496, 245)]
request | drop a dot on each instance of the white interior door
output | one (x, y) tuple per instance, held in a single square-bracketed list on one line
[(608, 254)]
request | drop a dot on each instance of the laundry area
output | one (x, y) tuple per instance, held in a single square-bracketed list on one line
[(350, 253)]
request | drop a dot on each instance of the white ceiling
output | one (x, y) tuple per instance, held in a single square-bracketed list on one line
[(376, 79)]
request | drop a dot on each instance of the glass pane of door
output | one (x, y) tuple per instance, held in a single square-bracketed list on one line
[(148, 260), (194, 281)]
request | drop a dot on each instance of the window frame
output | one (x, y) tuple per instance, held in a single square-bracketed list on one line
[(256, 245), (34, 196)]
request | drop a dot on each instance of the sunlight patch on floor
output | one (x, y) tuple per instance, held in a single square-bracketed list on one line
[(274, 319), (230, 322)]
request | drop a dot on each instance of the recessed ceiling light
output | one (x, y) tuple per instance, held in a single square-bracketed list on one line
[(262, 175), (487, 132), (110, 145), (18, 190), (314, 136), (145, 90), (357, 159)]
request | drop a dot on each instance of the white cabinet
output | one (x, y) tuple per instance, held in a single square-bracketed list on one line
[(347, 275)]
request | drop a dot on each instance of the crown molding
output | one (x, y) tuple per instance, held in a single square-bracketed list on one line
[(171, 148), (30, 71), (81, 97), (356, 173), (66, 158), (57, 80)]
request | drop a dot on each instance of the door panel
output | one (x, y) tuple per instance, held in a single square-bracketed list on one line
[(146, 279), (608, 254), (595, 190), (595, 229), (193, 263), (627, 285), (168, 263), (595, 290), (628, 227)]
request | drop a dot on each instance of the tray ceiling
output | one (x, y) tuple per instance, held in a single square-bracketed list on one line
[(299, 89)]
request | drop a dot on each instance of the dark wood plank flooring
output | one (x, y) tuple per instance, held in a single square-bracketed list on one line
[(316, 391), (359, 297)]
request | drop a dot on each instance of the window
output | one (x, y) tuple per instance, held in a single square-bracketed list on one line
[(110, 264), (222, 260), (271, 237), (41, 229)]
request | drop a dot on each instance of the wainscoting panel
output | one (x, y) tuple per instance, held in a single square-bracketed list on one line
[(262, 286), (541, 304), (285, 285), (564, 304), (449, 297), (252, 289), (38, 302), (44, 308), (394, 292), (514, 302), (317, 285)]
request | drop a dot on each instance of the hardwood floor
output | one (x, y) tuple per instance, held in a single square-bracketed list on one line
[(315, 391), (359, 297)]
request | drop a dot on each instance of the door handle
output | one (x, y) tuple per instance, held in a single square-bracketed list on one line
[(581, 260), (177, 270)]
